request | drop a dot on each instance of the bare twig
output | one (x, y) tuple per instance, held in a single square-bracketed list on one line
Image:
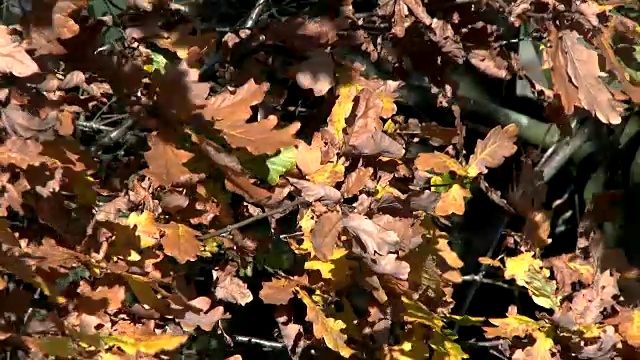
[(286, 207), (261, 342), (483, 280)]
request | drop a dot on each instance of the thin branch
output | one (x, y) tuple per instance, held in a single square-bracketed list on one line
[(286, 207), (483, 280), (261, 342)]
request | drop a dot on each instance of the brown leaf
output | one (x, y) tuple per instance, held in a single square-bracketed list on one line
[(180, 242), (63, 25), (438, 162), (316, 73), (492, 151), (13, 58), (279, 291), (165, 163), (303, 34), (375, 239), (452, 201), (584, 70), (73, 79), (232, 289), (490, 63), (206, 319), (22, 123), (325, 234), (308, 158), (317, 192), (418, 10), (354, 182), (230, 110)]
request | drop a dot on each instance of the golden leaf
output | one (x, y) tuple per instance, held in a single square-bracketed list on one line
[(416, 312), (146, 227), (452, 201), (491, 152), (324, 327), (513, 325), (438, 162), (630, 329), (328, 174), (150, 344), (342, 108)]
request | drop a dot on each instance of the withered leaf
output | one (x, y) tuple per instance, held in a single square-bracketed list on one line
[(355, 181), (232, 289), (165, 163), (230, 110), (279, 291), (206, 319), (490, 63), (438, 162), (452, 201), (26, 125), (180, 242), (375, 239), (325, 234), (584, 71), (13, 58), (317, 192), (491, 152)]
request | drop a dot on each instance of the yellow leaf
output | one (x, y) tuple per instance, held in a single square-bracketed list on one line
[(630, 329), (328, 174), (416, 312), (324, 327), (146, 227), (452, 201), (491, 152), (150, 344), (337, 268), (413, 346), (438, 162), (513, 325), (306, 225), (445, 348), (59, 346), (342, 108), (517, 267)]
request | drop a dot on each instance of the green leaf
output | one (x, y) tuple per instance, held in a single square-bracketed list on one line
[(281, 163)]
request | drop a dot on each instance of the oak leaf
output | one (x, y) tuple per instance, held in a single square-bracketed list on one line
[(280, 290), (165, 163), (355, 181), (230, 110), (308, 157), (584, 70), (206, 319), (630, 327), (146, 228), (180, 242), (317, 192), (438, 162), (324, 327), (325, 234), (145, 343), (342, 108), (234, 290), (452, 201), (513, 325), (328, 174), (375, 239), (13, 58), (492, 151)]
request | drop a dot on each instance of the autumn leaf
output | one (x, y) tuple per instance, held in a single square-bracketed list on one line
[(342, 108), (146, 228), (180, 242), (492, 151), (149, 344), (234, 290), (325, 327), (511, 326), (165, 163), (325, 234), (230, 111), (584, 70), (328, 174), (308, 157), (438, 162), (452, 201), (280, 290), (13, 58), (630, 327), (530, 273)]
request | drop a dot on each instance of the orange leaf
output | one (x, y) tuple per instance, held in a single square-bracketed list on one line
[(452, 201), (491, 152), (438, 162), (180, 242), (165, 163)]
